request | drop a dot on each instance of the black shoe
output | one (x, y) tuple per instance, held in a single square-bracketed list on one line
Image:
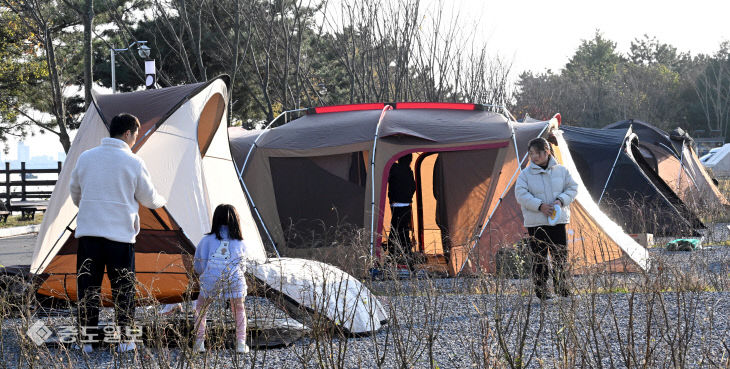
[(545, 297)]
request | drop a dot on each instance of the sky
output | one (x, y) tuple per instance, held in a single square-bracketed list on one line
[(541, 35)]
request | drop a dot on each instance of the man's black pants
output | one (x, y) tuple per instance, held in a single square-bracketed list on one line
[(94, 254), (553, 239), (399, 242)]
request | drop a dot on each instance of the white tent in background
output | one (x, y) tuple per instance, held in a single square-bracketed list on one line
[(718, 160)]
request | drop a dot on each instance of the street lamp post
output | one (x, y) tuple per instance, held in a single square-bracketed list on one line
[(142, 49)]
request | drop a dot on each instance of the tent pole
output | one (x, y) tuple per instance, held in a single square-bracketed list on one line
[(507, 114), (501, 196), (68, 228), (268, 126), (681, 169), (139, 141), (372, 178), (491, 214), (605, 185), (669, 148), (258, 215), (243, 183)]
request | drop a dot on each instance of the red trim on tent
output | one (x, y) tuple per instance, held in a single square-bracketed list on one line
[(400, 105), (559, 118), (350, 107), (429, 105)]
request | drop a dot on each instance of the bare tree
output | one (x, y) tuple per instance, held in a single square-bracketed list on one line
[(398, 52), (287, 54), (712, 86)]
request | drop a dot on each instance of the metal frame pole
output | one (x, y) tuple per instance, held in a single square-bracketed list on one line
[(605, 185), (681, 169), (114, 73), (372, 178), (501, 196), (243, 183), (112, 53)]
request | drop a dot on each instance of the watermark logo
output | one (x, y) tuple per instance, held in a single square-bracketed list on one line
[(39, 332)]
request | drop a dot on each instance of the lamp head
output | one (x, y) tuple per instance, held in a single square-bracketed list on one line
[(143, 51)]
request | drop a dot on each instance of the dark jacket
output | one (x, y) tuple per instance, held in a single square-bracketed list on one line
[(401, 185)]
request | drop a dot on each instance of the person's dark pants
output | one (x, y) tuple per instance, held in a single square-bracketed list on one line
[(552, 239), (399, 242), (94, 254)]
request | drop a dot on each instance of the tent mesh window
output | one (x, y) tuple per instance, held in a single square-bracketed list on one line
[(319, 198)]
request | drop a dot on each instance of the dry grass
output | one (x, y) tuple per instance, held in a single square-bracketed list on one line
[(672, 316), (724, 186), (15, 221)]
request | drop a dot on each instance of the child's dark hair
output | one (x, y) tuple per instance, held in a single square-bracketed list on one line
[(540, 144), (226, 215)]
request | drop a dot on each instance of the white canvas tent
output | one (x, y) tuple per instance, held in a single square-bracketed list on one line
[(184, 143), (718, 161)]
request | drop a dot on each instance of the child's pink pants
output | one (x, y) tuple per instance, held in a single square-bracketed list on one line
[(239, 312)]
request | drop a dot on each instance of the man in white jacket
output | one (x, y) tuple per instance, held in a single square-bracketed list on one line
[(543, 185), (107, 184)]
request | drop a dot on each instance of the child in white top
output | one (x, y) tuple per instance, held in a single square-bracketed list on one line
[(220, 262)]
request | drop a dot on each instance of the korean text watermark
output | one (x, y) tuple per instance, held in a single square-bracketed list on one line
[(39, 333)]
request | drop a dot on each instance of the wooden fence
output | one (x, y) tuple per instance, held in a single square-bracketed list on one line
[(16, 189)]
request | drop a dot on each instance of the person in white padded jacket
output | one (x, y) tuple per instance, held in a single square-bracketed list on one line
[(539, 188)]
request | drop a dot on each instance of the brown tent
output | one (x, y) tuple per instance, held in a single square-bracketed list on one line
[(673, 158), (316, 177)]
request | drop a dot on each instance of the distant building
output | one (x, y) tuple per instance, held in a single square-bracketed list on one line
[(35, 162), (23, 152)]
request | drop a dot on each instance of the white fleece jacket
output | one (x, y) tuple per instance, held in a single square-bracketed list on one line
[(108, 184), (536, 186)]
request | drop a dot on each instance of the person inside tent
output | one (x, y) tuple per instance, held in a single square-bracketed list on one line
[(401, 187), (107, 184), (545, 190)]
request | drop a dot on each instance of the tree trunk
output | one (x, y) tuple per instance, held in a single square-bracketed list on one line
[(87, 16), (59, 108), (234, 64)]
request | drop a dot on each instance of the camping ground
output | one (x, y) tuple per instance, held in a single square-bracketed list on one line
[(676, 315)]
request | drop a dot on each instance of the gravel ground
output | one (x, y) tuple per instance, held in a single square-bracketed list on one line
[(613, 322), (691, 328)]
